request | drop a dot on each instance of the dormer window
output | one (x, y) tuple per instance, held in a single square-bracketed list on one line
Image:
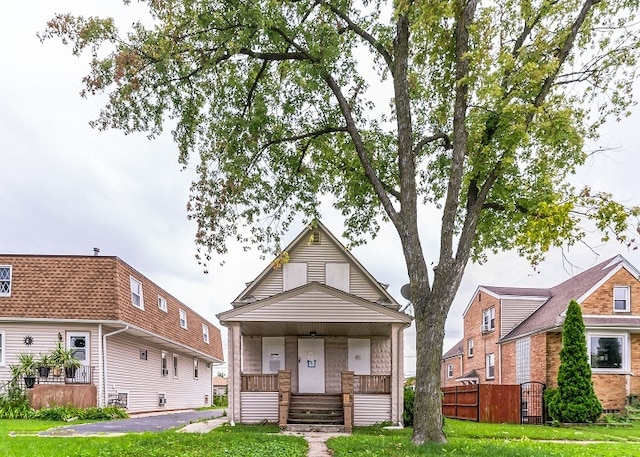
[(621, 299)]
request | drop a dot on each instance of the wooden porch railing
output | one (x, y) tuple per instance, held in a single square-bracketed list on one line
[(259, 382), (372, 384)]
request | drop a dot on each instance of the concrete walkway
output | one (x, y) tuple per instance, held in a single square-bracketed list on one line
[(187, 422)]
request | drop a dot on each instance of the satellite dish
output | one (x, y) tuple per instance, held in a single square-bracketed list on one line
[(404, 291)]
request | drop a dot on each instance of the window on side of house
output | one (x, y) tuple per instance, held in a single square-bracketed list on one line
[(5, 280), (175, 365), (489, 319), (183, 318), (608, 352), (449, 370), (162, 303), (136, 293), (205, 333), (491, 366), (621, 299), (470, 347), (164, 365), (195, 368)]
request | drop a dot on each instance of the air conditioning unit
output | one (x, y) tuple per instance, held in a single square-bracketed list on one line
[(162, 400), (165, 372), (484, 328)]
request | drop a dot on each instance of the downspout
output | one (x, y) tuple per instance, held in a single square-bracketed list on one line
[(500, 361), (101, 400), (104, 359)]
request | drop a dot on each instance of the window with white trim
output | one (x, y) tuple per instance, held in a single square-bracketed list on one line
[(164, 364), (183, 318), (491, 366), (449, 371), (136, 293), (195, 368), (621, 299), (489, 319), (608, 351), (175, 365), (205, 333), (162, 303), (470, 347), (5, 280)]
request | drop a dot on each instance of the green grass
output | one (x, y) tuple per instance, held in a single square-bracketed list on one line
[(494, 440), (239, 441)]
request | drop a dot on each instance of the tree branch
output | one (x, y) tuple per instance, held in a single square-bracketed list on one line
[(430, 139), (312, 135), (366, 36)]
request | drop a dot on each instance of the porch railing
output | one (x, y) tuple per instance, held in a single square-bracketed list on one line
[(259, 383), (372, 384)]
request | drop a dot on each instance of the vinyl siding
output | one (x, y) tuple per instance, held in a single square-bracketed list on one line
[(513, 312), (142, 379), (315, 306), (371, 409), (257, 407), (45, 337), (316, 256)]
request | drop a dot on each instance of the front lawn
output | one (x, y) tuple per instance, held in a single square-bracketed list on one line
[(494, 440), (228, 441)]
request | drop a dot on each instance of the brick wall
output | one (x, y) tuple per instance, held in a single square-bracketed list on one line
[(482, 343), (600, 302), (611, 390), (554, 346), (538, 358), (508, 363), (635, 364), (455, 363)]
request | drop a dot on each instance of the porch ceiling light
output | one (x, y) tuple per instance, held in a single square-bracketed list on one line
[(312, 334)]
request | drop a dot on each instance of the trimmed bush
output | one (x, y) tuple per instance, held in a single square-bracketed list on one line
[(407, 415), (574, 400)]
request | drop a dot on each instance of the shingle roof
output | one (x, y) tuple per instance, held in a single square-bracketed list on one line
[(549, 314), (455, 351), (518, 291)]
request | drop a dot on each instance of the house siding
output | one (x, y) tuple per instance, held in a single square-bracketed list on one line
[(143, 379), (371, 409), (514, 311), (316, 256), (259, 407)]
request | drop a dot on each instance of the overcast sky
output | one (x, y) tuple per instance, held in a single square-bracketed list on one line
[(66, 188)]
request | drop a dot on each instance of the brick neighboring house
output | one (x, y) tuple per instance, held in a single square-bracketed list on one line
[(514, 335), (138, 344)]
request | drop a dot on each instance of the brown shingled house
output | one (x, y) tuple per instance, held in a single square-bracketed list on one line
[(514, 335), (139, 346)]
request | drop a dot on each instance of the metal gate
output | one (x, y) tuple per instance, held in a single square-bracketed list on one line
[(532, 409)]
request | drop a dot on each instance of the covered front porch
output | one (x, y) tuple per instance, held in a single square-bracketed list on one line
[(337, 374)]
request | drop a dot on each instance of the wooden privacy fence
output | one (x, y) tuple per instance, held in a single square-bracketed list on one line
[(494, 403)]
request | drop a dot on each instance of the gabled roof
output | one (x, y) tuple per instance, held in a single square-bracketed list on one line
[(469, 376), (510, 292), (314, 302), (243, 297), (455, 351), (578, 288)]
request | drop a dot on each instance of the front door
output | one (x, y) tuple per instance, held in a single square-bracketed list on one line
[(79, 342), (311, 365)]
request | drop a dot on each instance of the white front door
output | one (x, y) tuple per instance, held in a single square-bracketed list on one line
[(311, 365), (80, 343)]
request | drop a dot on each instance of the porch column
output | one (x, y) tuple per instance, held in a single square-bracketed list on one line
[(234, 355), (397, 373)]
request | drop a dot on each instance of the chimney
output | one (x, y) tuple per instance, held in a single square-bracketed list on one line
[(96, 251)]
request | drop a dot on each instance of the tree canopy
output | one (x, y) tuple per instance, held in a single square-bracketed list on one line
[(477, 108)]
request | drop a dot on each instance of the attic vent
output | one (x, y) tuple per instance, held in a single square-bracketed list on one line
[(162, 399), (315, 237)]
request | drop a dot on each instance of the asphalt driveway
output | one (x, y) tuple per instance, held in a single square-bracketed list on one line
[(138, 424)]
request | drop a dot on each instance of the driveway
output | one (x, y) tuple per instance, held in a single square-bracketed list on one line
[(137, 424)]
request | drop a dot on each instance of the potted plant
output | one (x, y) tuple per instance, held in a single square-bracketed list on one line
[(44, 365), (27, 368), (63, 359)]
